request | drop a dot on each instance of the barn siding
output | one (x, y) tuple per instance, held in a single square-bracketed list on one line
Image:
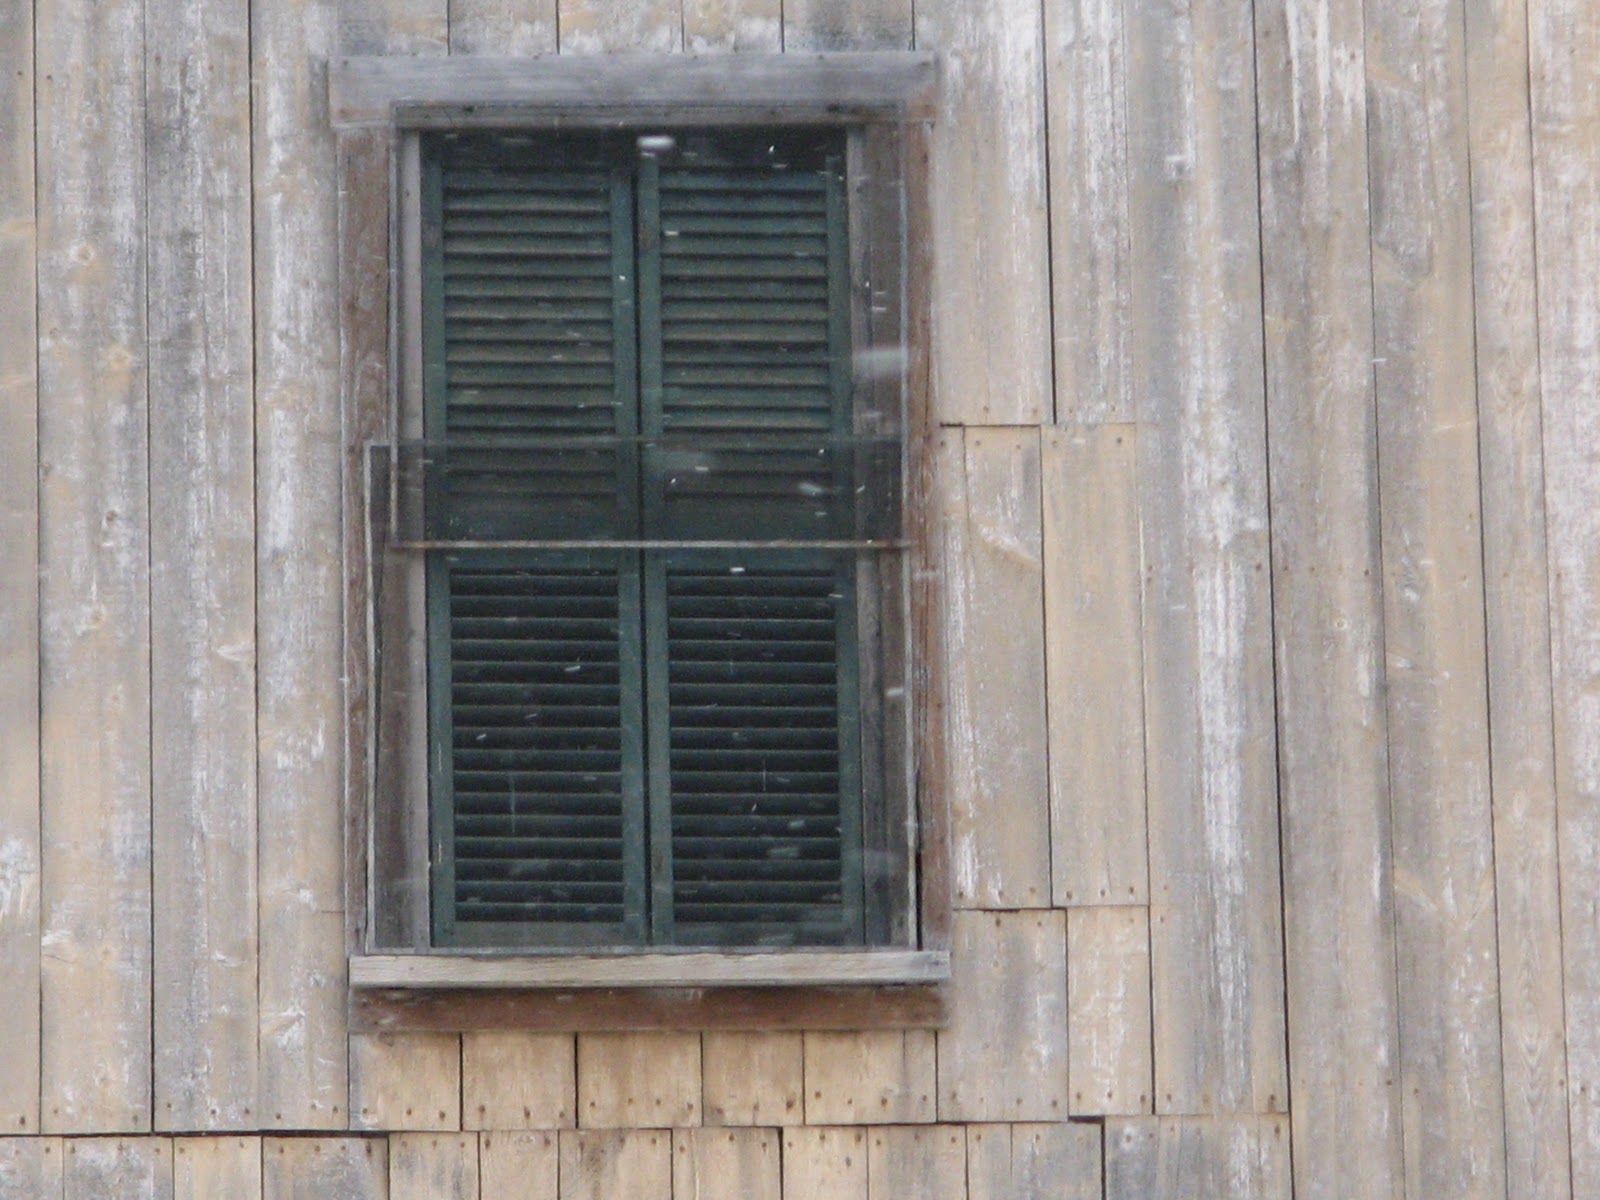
[(1267, 354)]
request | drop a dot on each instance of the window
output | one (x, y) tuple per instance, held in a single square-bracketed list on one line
[(642, 581)]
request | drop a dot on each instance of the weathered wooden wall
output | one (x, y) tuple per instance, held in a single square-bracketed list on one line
[(1266, 360)]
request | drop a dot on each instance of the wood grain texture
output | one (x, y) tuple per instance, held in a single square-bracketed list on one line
[(409, 1081), (606, 1164), (1436, 676), (928, 1162), (753, 1078), (202, 584), (726, 1164), (209, 1168), (94, 553), (1033, 1162), (30, 1167), (1172, 1158), (1195, 338), (610, 26), (880, 1077), (1094, 658), (1085, 74), (516, 1080), (19, 583), (1517, 600), (502, 26), (1004, 1055), (318, 1168), (711, 25), (1108, 1010), (517, 1166), (433, 1166), (1327, 605), (847, 25), (819, 968), (991, 349), (1564, 53), (824, 1164), (638, 1080), (994, 652), (131, 1168)]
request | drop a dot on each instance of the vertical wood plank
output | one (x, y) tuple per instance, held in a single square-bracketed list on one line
[(1327, 605), (881, 1077), (1033, 1162), (1564, 50), (928, 1162), (638, 1080), (1108, 1010), (94, 561), (1094, 666), (1436, 679), (1517, 601), (1243, 1158), (613, 26), (212, 1168), (30, 1167), (994, 651), (1195, 345), (405, 1081), (131, 1168), (710, 25), (990, 220), (726, 1164), (19, 583), (502, 26), (317, 1168), (431, 1166), (847, 25), (606, 1164), (518, 1080), (202, 585), (517, 1166), (1003, 1057), (410, 27), (824, 1164), (1085, 74), (753, 1078)]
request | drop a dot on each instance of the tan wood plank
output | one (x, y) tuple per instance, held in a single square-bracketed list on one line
[(1168, 1158), (1108, 1010), (1564, 52), (824, 1164), (994, 651), (405, 1081), (612, 26), (19, 583), (129, 1168), (209, 1168), (872, 1078), (502, 26), (515, 1080), (1195, 345), (991, 348), (1094, 658), (433, 1166), (1004, 1055), (753, 1078), (1033, 1162), (1517, 601), (710, 25), (1327, 608), (1085, 72), (928, 1162), (606, 1164), (726, 1164), (821, 25), (517, 1166), (638, 1080), (1453, 1130), (94, 569), (202, 584), (30, 1167), (318, 1168)]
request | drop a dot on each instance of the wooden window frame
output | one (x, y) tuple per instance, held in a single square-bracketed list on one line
[(378, 106)]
